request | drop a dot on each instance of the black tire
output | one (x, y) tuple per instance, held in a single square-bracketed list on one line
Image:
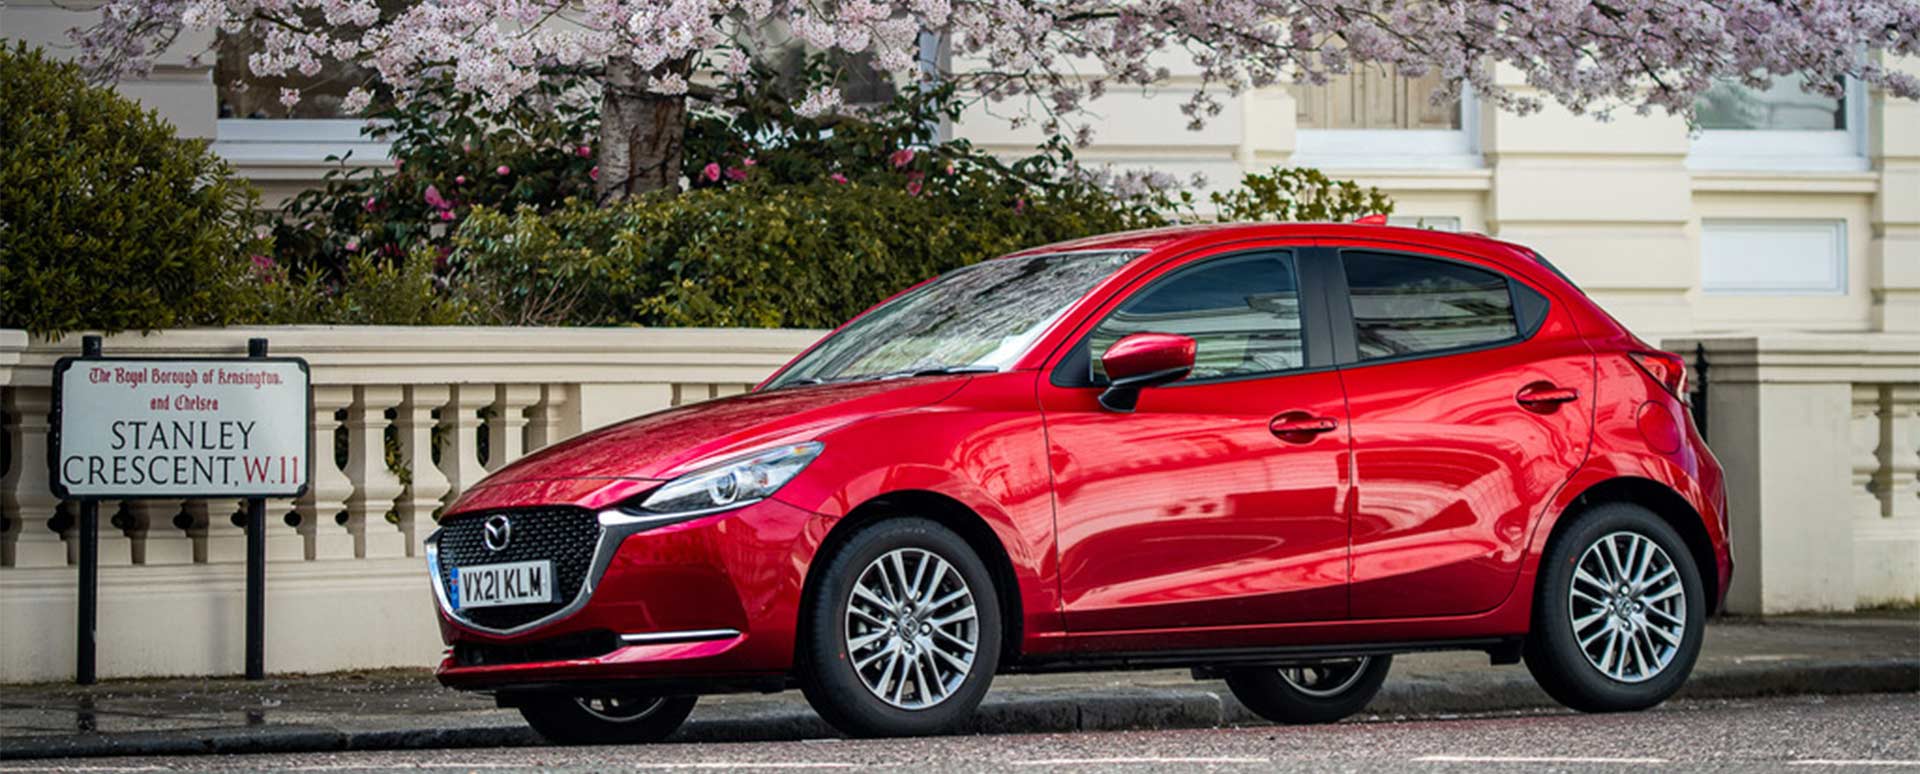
[(574, 720), (827, 672), (1572, 673), (1312, 693)]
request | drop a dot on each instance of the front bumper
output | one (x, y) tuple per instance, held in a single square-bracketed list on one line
[(715, 599)]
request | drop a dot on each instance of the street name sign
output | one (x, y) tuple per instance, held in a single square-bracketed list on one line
[(126, 428)]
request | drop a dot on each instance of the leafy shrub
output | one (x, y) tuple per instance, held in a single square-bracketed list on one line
[(807, 255), (107, 219)]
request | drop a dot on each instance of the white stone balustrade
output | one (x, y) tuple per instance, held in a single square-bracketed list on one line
[(345, 584), (1820, 438)]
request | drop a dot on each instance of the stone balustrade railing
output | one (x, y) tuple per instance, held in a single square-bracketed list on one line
[(404, 419), (1820, 437)]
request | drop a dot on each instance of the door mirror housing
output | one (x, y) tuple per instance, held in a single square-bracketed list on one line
[(1143, 360)]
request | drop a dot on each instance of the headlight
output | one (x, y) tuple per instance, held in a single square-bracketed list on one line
[(729, 484)]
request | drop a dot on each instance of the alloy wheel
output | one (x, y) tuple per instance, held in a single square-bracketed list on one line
[(912, 628), (1627, 606), (1327, 678), (616, 709)]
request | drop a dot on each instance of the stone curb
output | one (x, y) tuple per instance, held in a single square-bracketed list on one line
[(1205, 705)]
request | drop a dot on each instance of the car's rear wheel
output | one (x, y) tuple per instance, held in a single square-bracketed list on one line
[(1318, 692), (599, 719), (902, 635), (1619, 613)]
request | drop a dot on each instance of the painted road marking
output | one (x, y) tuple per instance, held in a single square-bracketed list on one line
[(1123, 761), (1530, 759), (1852, 762)]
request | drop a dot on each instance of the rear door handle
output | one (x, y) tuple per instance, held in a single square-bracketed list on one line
[(1299, 427), (1545, 395)]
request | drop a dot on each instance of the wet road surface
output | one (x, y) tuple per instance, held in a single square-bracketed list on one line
[(1858, 733)]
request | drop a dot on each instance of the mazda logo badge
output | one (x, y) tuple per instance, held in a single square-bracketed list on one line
[(496, 532)]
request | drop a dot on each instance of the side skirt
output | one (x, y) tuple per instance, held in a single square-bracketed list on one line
[(1206, 662)]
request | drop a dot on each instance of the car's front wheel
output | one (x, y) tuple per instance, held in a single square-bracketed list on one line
[(903, 632), (605, 719), (1619, 613), (1320, 692)]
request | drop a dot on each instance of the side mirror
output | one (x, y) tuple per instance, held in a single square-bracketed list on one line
[(1143, 360)]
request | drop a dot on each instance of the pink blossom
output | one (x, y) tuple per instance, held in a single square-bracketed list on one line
[(913, 188), (371, 205), (748, 162), (1020, 205), (838, 178), (901, 158), (353, 244), (593, 174), (262, 263), (435, 200), (585, 151), (711, 172), (503, 170), (447, 215), (459, 179), (736, 174)]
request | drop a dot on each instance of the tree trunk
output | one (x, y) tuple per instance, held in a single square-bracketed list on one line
[(642, 134)]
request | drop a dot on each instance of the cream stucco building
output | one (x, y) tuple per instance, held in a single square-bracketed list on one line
[(1783, 240)]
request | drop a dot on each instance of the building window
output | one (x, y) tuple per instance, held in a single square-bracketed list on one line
[(1806, 257), (1380, 119), (1780, 127)]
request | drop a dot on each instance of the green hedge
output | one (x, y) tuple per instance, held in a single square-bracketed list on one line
[(753, 256), (107, 220)]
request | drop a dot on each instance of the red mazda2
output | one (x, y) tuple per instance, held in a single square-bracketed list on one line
[(1275, 454)]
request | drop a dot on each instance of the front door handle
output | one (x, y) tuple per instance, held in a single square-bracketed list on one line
[(1301, 427), (1545, 395)]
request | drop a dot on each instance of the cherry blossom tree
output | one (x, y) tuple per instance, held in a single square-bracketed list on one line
[(1046, 58)]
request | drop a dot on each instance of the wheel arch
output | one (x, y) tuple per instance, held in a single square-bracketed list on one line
[(950, 513), (1666, 503)]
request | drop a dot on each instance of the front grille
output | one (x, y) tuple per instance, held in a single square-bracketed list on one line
[(567, 647), (567, 536)]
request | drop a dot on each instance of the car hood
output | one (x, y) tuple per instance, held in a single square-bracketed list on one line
[(662, 445)]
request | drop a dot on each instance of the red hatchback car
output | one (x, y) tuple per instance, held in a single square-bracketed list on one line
[(1276, 454)]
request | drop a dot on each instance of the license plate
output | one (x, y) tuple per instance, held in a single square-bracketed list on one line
[(495, 585)]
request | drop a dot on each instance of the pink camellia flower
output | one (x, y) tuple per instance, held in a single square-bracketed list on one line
[(838, 178), (736, 174), (371, 205), (748, 162), (1019, 205), (949, 169), (913, 188), (446, 215), (262, 262), (435, 200), (459, 179), (901, 158), (585, 151), (593, 174), (353, 245), (504, 170), (711, 172)]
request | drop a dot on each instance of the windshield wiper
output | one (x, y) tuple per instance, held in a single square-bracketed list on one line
[(940, 371)]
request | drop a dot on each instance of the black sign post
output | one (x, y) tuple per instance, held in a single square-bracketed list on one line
[(83, 666), (256, 565), (92, 472)]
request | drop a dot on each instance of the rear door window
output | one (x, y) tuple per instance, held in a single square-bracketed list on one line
[(1406, 305)]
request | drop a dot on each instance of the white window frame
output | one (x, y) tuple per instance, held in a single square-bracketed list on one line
[(1396, 148), (1836, 284), (1836, 150), (297, 142)]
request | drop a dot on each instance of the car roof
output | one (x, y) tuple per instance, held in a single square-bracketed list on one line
[(1198, 235)]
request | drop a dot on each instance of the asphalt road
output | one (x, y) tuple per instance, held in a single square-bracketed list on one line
[(1859, 733)]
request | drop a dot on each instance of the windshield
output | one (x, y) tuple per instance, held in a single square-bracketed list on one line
[(979, 318)]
